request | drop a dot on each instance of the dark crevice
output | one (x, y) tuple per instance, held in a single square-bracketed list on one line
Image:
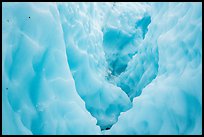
[(106, 128)]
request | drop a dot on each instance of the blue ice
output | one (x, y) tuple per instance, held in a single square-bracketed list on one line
[(101, 68)]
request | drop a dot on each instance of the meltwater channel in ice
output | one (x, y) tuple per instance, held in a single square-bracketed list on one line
[(101, 68)]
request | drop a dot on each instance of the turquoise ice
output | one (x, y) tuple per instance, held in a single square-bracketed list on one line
[(101, 68)]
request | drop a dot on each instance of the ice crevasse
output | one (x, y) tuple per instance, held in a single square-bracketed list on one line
[(101, 68)]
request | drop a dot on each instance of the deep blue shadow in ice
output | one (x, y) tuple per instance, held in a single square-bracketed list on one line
[(114, 42), (143, 24)]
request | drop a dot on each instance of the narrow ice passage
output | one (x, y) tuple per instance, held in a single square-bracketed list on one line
[(101, 68)]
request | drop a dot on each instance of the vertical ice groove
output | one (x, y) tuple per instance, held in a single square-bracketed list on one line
[(86, 77), (102, 68)]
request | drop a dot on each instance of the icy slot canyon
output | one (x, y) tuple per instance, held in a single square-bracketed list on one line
[(102, 68)]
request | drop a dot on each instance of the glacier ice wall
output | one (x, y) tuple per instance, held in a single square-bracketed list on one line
[(102, 68), (38, 96), (172, 102)]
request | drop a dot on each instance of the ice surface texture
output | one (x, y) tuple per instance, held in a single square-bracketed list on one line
[(102, 68)]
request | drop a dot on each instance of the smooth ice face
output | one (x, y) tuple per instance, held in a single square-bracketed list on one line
[(102, 68), (39, 94)]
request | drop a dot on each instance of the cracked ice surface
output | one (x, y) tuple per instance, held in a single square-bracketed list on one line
[(101, 68)]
